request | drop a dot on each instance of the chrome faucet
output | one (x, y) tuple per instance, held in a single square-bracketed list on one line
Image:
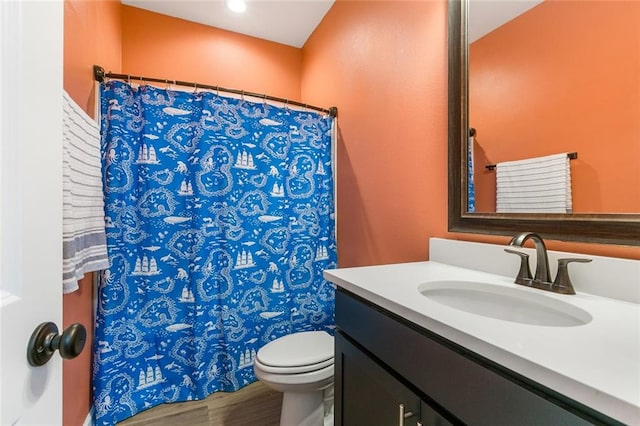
[(542, 279), (542, 260)]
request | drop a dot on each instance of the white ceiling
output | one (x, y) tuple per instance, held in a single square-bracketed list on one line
[(289, 22), (487, 15)]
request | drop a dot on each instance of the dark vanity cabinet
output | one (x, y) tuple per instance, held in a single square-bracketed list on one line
[(371, 395), (389, 371)]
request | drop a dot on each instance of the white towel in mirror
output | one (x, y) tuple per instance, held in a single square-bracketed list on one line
[(534, 185)]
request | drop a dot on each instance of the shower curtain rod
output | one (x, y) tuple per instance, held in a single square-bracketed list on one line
[(99, 74)]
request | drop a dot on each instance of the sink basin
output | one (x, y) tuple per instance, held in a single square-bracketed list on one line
[(505, 303)]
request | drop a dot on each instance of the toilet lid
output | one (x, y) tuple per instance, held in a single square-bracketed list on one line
[(297, 349)]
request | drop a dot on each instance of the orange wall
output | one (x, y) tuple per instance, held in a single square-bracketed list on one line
[(160, 46), (535, 92), (91, 36), (384, 65)]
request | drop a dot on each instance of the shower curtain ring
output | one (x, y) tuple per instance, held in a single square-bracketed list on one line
[(195, 87), (264, 98), (242, 96)]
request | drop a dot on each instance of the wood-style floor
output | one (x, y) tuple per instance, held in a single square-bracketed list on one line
[(254, 405)]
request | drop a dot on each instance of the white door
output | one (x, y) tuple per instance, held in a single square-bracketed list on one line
[(30, 205)]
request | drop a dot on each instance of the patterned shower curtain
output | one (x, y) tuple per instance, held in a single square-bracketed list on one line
[(471, 190), (220, 221)]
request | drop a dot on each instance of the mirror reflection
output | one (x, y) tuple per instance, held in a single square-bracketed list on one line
[(561, 77)]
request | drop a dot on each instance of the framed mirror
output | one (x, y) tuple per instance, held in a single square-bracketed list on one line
[(596, 227)]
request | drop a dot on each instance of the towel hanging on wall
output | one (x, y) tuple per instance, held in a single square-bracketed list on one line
[(83, 227), (534, 185)]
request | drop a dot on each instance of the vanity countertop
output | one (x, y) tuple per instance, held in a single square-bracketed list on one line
[(596, 364)]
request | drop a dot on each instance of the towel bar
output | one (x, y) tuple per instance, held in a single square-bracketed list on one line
[(571, 155)]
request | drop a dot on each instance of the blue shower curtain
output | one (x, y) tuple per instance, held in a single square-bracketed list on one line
[(471, 190), (220, 221)]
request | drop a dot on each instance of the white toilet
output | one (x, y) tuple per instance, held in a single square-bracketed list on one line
[(301, 366)]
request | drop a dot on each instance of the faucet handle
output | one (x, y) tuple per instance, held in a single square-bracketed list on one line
[(524, 274), (562, 283)]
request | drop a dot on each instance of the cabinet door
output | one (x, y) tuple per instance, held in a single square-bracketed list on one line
[(366, 394), (430, 417)]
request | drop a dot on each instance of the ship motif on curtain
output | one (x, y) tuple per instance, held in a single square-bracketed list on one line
[(220, 221)]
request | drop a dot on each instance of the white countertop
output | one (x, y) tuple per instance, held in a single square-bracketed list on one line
[(596, 364)]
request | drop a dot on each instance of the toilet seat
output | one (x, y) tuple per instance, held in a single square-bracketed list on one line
[(296, 353), (299, 369)]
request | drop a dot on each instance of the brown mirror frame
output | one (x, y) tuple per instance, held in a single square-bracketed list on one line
[(594, 228)]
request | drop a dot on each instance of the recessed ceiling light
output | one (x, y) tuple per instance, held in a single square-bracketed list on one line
[(237, 6)]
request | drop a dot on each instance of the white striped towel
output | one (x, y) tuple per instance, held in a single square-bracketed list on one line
[(83, 227), (534, 185)]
